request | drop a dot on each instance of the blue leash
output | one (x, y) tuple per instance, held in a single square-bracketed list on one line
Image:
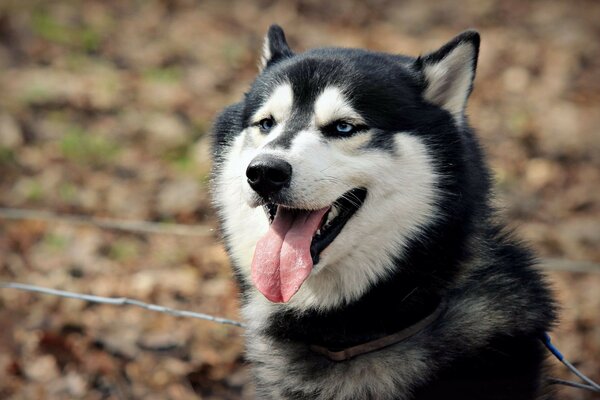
[(589, 384)]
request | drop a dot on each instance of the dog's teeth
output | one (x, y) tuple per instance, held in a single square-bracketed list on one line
[(318, 231), (331, 215)]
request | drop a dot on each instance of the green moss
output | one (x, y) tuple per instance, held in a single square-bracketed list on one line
[(87, 148), (7, 156), (89, 39), (180, 157), (518, 122), (83, 37), (55, 242), (204, 179), (123, 250), (34, 94), (49, 29), (168, 74), (233, 52), (33, 190), (67, 192)]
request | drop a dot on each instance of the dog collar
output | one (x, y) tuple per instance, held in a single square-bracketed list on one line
[(378, 344)]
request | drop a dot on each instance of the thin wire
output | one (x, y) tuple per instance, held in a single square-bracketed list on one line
[(593, 386), (582, 376), (119, 301), (556, 381), (108, 223)]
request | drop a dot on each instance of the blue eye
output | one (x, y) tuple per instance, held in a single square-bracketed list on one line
[(266, 124), (344, 128)]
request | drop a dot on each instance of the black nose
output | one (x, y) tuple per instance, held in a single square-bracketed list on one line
[(268, 174)]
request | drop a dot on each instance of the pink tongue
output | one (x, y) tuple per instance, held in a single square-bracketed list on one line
[(282, 259)]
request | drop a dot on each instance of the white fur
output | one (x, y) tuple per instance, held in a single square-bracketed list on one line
[(266, 54), (449, 80), (374, 375), (278, 106), (242, 223), (331, 106), (400, 201)]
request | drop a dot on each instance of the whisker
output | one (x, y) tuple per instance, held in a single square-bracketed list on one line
[(354, 201)]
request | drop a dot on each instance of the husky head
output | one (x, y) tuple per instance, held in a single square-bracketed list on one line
[(340, 162)]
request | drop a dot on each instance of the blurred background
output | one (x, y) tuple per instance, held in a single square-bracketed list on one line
[(105, 111)]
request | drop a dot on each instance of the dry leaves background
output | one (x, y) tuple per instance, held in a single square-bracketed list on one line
[(105, 109)]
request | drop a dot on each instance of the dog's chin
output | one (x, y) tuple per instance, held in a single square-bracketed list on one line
[(333, 222)]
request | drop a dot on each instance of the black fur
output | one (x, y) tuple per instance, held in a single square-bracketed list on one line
[(278, 46), (465, 254)]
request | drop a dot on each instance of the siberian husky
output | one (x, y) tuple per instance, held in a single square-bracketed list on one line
[(354, 201)]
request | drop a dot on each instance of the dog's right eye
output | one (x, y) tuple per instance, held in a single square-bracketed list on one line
[(266, 124)]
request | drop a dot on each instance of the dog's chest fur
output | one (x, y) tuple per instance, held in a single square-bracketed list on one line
[(479, 348)]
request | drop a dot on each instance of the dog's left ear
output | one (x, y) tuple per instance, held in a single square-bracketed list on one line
[(448, 73), (275, 47)]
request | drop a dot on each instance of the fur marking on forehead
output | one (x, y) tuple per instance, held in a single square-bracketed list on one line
[(278, 105), (332, 105)]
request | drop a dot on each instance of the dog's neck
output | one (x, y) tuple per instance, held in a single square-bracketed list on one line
[(381, 342), (386, 309)]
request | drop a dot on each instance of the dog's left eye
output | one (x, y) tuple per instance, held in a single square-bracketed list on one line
[(342, 129)]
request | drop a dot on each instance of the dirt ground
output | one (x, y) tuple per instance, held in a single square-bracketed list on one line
[(105, 109)]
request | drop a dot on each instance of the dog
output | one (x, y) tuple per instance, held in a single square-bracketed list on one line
[(354, 203)]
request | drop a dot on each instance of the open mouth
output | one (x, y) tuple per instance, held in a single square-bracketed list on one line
[(285, 255), (332, 223)]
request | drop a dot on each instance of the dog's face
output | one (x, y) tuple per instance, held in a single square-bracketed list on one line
[(329, 166)]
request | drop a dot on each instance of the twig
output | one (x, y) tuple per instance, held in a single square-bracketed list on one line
[(557, 264), (109, 223), (119, 301)]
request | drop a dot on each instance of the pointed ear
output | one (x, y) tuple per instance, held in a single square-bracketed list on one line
[(448, 73), (275, 47)]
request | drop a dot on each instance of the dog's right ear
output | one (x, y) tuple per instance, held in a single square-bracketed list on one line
[(449, 72), (275, 47)]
